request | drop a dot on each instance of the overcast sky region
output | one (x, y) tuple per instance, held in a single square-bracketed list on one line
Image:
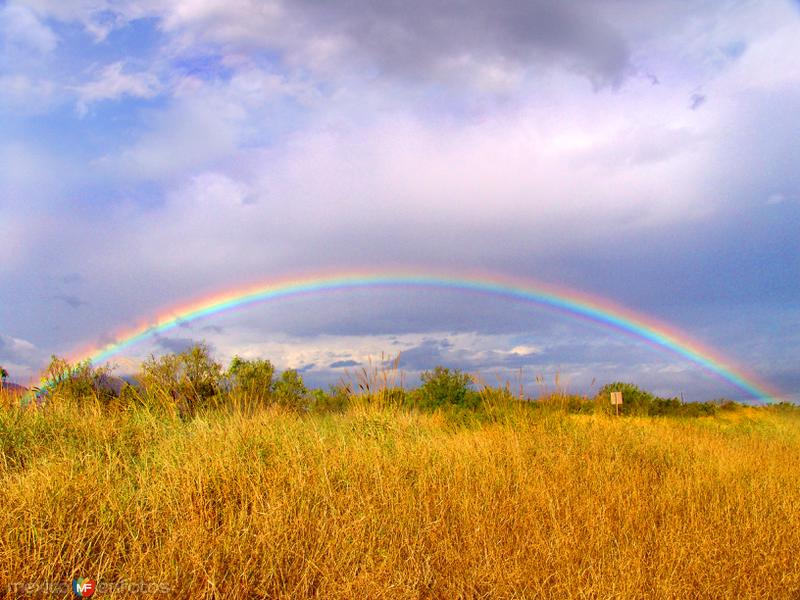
[(648, 152)]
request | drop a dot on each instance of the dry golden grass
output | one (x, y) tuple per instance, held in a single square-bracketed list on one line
[(386, 503)]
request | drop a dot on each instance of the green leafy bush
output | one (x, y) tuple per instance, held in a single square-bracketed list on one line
[(189, 379), (76, 382), (335, 400), (443, 387), (635, 401), (251, 377), (290, 391)]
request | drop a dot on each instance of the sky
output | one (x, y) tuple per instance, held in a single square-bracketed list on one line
[(155, 152)]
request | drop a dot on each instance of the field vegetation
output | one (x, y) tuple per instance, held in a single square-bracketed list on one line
[(207, 482)]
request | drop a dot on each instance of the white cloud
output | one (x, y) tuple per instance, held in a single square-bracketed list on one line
[(254, 87), (98, 17), (21, 94), (206, 122), (189, 135), (113, 84), (22, 31), (286, 351), (321, 160), (550, 178), (20, 358), (768, 59), (523, 350), (226, 20)]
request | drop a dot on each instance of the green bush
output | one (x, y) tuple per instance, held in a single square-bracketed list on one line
[(697, 409), (189, 380), (663, 406), (725, 404), (335, 400), (579, 405), (76, 382), (784, 407), (251, 377), (290, 391), (444, 387), (635, 401)]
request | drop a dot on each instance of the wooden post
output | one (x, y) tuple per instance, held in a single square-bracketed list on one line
[(616, 400)]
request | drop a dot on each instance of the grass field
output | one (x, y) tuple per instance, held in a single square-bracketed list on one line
[(372, 502)]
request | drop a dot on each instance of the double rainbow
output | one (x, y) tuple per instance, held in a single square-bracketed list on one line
[(571, 302)]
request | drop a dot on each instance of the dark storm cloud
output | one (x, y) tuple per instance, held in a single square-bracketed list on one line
[(70, 300), (13, 350), (343, 363), (432, 352), (426, 37), (425, 356), (398, 311), (594, 349), (178, 344), (696, 101)]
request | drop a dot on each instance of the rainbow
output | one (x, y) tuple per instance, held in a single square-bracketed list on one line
[(571, 302)]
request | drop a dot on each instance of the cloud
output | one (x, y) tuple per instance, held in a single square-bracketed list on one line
[(97, 17), (12, 348), (114, 83), (242, 141), (194, 131), (26, 95), (339, 364), (22, 31), (696, 101), (21, 358), (178, 344), (767, 63), (70, 300), (472, 352), (472, 42), (436, 39)]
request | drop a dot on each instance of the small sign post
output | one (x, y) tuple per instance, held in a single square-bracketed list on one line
[(616, 400)]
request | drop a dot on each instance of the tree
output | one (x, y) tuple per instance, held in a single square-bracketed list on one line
[(252, 377), (290, 391), (444, 386), (76, 382), (190, 378), (3, 376)]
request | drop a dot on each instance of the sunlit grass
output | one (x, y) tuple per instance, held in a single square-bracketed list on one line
[(379, 501)]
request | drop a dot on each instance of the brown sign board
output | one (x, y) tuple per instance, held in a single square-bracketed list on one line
[(616, 397)]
